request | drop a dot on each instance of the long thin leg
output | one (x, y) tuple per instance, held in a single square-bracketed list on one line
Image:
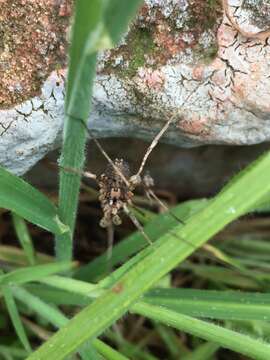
[(208, 248), (160, 134), (103, 152), (153, 145), (86, 174), (163, 205), (110, 234), (137, 224)]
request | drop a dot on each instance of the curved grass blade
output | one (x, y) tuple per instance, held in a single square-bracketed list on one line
[(15, 317), (117, 15), (204, 351), (24, 238), (58, 319), (21, 198), (243, 344), (33, 273), (13, 255), (223, 305), (12, 352)]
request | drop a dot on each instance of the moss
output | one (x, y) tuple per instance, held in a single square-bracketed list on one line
[(164, 42), (203, 15), (209, 54), (141, 43), (212, 11)]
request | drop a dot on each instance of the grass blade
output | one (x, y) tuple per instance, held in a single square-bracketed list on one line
[(15, 317), (225, 305), (229, 339), (33, 273), (13, 352), (81, 73), (24, 238), (56, 318), (16, 256), (135, 242), (21, 198), (204, 351), (117, 15)]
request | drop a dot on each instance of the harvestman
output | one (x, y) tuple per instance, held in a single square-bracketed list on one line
[(116, 188), (116, 185)]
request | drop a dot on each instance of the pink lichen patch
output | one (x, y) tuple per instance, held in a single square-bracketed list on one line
[(153, 79), (219, 78), (198, 72), (32, 44), (196, 125), (226, 35), (171, 41), (246, 94), (217, 64)]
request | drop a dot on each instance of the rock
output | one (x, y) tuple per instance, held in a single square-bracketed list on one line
[(181, 58)]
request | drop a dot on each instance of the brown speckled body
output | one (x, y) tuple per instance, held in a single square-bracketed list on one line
[(114, 192)]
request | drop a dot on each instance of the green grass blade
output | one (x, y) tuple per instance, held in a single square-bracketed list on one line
[(86, 32), (34, 273), (108, 352), (204, 351), (24, 238), (170, 340), (72, 285), (135, 242), (73, 157), (252, 280), (16, 256), (56, 318), (56, 296), (50, 313), (243, 344), (117, 15), (159, 259), (21, 198), (14, 352), (15, 317), (132, 350), (81, 73), (224, 305)]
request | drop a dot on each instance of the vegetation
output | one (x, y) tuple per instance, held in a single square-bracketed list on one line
[(40, 293)]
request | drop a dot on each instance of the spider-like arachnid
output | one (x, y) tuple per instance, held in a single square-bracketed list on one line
[(116, 185)]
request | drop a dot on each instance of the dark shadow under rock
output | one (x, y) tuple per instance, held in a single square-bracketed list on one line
[(187, 173)]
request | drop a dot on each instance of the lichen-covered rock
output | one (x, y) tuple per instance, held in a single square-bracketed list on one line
[(206, 63)]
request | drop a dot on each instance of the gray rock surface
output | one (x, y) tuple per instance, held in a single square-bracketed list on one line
[(179, 59)]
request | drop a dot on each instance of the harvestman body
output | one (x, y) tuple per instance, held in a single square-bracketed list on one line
[(116, 185)]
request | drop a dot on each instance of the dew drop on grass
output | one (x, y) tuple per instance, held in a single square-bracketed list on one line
[(231, 210)]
